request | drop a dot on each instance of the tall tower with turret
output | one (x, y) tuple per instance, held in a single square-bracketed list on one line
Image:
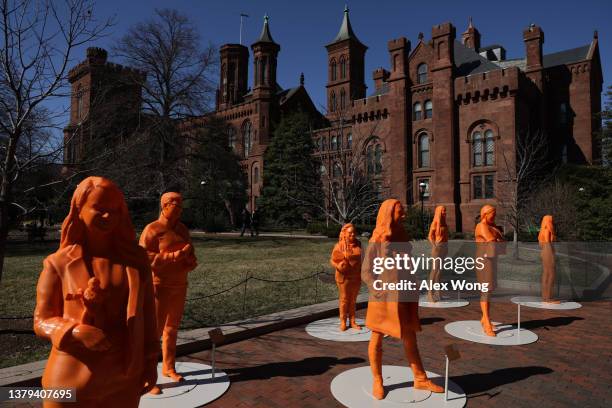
[(346, 67), (234, 75)]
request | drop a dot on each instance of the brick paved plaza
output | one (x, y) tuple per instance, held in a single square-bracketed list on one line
[(569, 366)]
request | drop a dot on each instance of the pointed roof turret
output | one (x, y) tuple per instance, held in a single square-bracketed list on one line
[(265, 36), (346, 31)]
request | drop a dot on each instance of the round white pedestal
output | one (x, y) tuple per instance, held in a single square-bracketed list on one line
[(199, 387), (534, 301), (353, 389), (329, 329), (442, 303), (506, 335)]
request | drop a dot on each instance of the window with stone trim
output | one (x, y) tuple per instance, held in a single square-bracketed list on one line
[(231, 138), (428, 109), (333, 70), (255, 174), (332, 102), (417, 111), (374, 154), (483, 148), (427, 192), (247, 138), (334, 143), (423, 141), (349, 141), (421, 73), (342, 99), (483, 186), (342, 67), (337, 170)]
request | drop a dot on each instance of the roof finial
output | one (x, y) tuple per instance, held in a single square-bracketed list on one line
[(266, 18), (595, 34), (470, 25), (346, 9), (302, 79), (421, 36)]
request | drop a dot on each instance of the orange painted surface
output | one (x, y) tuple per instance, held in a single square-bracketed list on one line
[(172, 257), (438, 237), (94, 303), (546, 237), (346, 259)]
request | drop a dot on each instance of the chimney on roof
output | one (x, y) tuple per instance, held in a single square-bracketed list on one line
[(534, 38), (471, 37), (96, 55)]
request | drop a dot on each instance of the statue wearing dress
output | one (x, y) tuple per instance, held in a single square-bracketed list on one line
[(94, 303), (438, 237), (488, 238), (387, 313), (546, 237), (172, 257), (346, 259)]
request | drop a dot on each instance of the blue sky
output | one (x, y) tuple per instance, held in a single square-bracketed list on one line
[(302, 28)]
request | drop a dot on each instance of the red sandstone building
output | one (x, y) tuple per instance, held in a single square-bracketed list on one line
[(445, 114)]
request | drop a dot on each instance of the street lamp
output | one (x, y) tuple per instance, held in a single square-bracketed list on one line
[(203, 185), (422, 190)]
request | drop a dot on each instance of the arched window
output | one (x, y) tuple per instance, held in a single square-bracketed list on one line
[(79, 104), (337, 170), (422, 73), (332, 67), (423, 150), (255, 175), (483, 148), (332, 102), (247, 138), (334, 143), (324, 143), (374, 159), (428, 109), (417, 111), (349, 141), (256, 71), (342, 99), (322, 169), (342, 68), (264, 71), (378, 159), (370, 159), (231, 138)]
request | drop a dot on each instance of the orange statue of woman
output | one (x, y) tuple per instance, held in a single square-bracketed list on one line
[(486, 235), (171, 254), (94, 302), (389, 315), (438, 237), (546, 237), (346, 259)]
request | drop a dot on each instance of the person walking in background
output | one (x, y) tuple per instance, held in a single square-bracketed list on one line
[(255, 222), (246, 222)]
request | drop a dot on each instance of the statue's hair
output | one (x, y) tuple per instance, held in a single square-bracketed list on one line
[(73, 228), (387, 228), (547, 225), (437, 220), (486, 209)]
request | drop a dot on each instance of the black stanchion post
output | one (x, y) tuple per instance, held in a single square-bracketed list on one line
[(246, 282)]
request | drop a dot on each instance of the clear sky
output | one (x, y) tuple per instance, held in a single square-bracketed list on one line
[(302, 28)]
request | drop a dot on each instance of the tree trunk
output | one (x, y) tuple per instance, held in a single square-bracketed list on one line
[(515, 244), (4, 229), (6, 189)]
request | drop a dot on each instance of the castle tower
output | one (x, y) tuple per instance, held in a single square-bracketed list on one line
[(265, 52), (234, 75), (471, 37), (346, 67)]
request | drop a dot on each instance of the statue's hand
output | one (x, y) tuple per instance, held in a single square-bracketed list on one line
[(90, 337), (187, 250)]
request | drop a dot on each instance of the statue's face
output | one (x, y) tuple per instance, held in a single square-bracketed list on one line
[(443, 214), (173, 209), (398, 213), (350, 234), (490, 217), (101, 211)]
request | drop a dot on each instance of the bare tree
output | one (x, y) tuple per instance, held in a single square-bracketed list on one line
[(353, 179), (179, 83), (521, 173), (39, 39), (554, 198)]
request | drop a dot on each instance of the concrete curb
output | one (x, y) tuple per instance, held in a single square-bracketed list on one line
[(192, 341)]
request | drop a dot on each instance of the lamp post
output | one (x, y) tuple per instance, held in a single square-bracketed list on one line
[(203, 185), (422, 189)]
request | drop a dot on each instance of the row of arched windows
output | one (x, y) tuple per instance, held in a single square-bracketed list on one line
[(333, 69), (417, 110), (482, 148), (333, 102), (335, 143)]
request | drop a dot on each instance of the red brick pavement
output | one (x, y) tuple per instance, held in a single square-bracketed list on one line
[(569, 366)]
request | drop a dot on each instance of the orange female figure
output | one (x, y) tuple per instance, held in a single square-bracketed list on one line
[(346, 259), (546, 237), (94, 302), (438, 237), (487, 234), (387, 314)]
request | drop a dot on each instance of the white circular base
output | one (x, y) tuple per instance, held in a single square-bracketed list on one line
[(353, 389), (506, 335), (329, 329), (199, 387), (535, 301), (442, 303)]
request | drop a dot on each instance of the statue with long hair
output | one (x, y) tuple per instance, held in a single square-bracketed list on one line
[(438, 237), (346, 259), (546, 237), (487, 236), (171, 254), (387, 313), (94, 303)]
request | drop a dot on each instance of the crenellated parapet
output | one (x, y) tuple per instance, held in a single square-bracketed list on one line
[(487, 85), (97, 58)]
